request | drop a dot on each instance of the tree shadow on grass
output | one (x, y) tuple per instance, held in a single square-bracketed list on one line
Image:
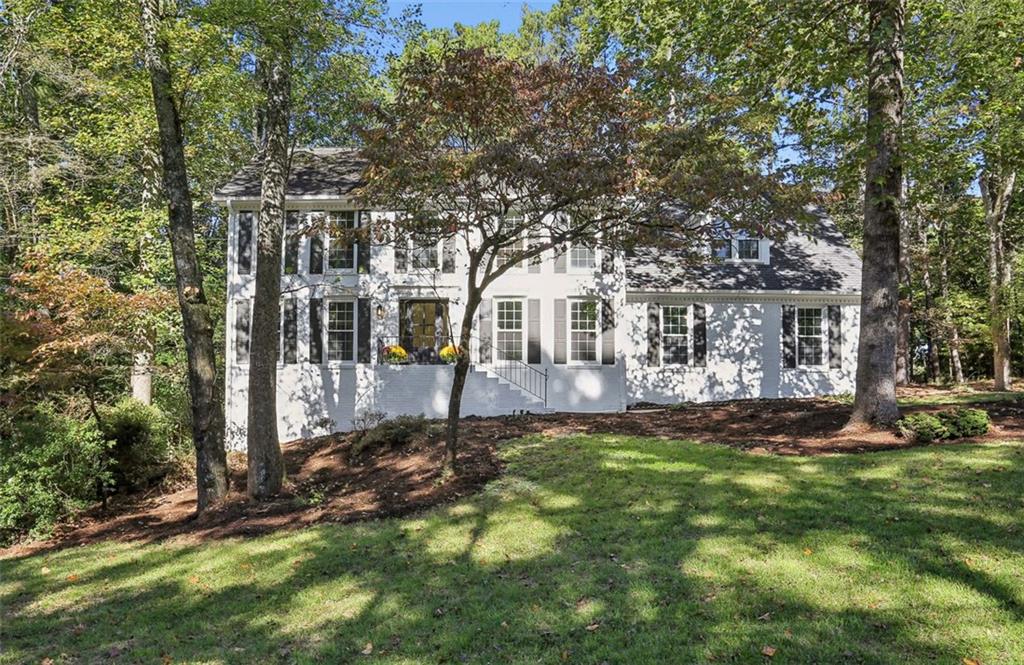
[(592, 549)]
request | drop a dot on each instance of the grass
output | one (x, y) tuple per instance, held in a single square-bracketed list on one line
[(589, 550), (947, 395)]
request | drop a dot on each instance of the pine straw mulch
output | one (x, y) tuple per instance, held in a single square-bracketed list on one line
[(325, 485)]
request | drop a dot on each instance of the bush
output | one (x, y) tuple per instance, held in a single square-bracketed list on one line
[(948, 424), (140, 435), (394, 433), (922, 427), (51, 466), (964, 422)]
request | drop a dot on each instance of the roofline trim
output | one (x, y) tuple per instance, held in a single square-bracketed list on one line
[(743, 296)]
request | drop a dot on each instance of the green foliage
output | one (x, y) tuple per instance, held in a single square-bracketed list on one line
[(51, 466), (922, 427), (964, 422), (954, 423), (139, 435), (397, 432)]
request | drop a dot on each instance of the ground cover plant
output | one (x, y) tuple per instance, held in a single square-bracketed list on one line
[(589, 548)]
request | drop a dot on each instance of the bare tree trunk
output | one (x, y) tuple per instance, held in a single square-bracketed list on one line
[(956, 369), (904, 366), (996, 190), (934, 364), (875, 399), (266, 466), (451, 444), (197, 323)]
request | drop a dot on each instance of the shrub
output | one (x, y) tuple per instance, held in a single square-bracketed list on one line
[(51, 466), (962, 422), (947, 424), (140, 435), (394, 433), (395, 354), (922, 427)]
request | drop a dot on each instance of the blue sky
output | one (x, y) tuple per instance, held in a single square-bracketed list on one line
[(445, 13)]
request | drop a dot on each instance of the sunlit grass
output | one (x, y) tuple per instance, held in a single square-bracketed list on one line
[(589, 549)]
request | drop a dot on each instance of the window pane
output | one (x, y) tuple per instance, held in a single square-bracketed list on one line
[(810, 344), (341, 250), (424, 254), (510, 329), (722, 249), (748, 249), (340, 330), (583, 330), (582, 257), (675, 334)]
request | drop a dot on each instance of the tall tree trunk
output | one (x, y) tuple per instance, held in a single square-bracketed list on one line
[(956, 368), (934, 364), (266, 467), (197, 322), (875, 399), (904, 366), (996, 190), (451, 444)]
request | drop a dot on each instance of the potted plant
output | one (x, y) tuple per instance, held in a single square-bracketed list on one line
[(450, 354), (395, 354)]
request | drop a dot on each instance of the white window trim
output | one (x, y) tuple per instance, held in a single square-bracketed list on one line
[(328, 270), (573, 270), (410, 266), (689, 335), (822, 335), (325, 334), (522, 320), (568, 334), (763, 250)]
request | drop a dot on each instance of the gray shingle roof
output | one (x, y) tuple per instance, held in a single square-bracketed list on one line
[(315, 172), (817, 260)]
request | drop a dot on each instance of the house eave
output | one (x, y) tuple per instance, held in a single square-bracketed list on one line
[(741, 296)]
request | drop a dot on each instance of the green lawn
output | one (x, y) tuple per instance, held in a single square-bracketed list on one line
[(591, 549)]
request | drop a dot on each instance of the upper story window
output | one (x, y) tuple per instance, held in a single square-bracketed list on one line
[(810, 335), (244, 223), (507, 252), (290, 257), (341, 250), (582, 257), (424, 254), (737, 249)]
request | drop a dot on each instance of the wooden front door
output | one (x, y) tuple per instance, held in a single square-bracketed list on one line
[(423, 328)]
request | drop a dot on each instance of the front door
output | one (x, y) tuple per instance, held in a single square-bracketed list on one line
[(423, 328)]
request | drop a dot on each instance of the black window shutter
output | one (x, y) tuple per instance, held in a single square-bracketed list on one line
[(533, 331), (560, 332), (291, 332), (607, 261), (607, 332), (242, 322), (291, 243), (363, 322), (700, 336), (316, 331), (835, 337), (789, 336), (316, 254), (363, 245), (244, 243), (533, 265), (401, 249), (448, 255), (653, 334), (560, 261), (485, 324)]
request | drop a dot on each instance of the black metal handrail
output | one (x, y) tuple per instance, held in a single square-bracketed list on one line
[(524, 376)]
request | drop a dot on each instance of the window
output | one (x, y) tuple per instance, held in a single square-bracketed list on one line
[(424, 254), (809, 336), (583, 331), (721, 249), (582, 257), (515, 247), (510, 329), (675, 334), (341, 250), (748, 249), (341, 330)]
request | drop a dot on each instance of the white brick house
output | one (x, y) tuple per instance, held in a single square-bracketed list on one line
[(577, 331)]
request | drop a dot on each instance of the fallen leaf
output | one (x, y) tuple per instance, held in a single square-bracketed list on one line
[(72, 578), (368, 649), (972, 661), (768, 651), (765, 616), (45, 570), (808, 551), (593, 626)]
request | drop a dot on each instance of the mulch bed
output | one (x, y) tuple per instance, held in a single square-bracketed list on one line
[(324, 485)]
